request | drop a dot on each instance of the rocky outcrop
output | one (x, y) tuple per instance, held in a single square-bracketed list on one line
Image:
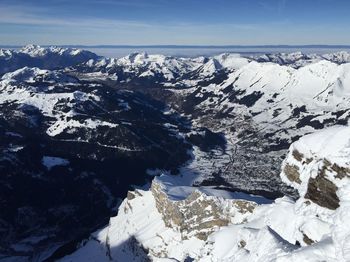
[(292, 173), (322, 192), (316, 167), (199, 214)]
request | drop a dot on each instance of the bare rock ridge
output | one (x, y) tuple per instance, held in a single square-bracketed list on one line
[(198, 214), (316, 172)]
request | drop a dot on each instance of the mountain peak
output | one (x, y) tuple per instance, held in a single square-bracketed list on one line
[(34, 50)]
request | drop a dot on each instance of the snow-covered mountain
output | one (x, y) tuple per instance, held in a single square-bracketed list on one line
[(173, 222), (80, 131), (44, 58), (159, 70), (34, 76), (263, 107), (141, 68), (299, 59)]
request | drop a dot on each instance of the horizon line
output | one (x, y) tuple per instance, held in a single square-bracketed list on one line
[(185, 46)]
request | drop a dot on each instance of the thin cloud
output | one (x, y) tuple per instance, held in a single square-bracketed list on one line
[(37, 16)]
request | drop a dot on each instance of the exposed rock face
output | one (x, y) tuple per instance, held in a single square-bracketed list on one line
[(198, 214), (307, 240), (322, 192), (320, 189), (315, 171), (292, 172)]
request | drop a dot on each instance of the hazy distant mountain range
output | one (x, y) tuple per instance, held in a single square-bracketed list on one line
[(193, 46)]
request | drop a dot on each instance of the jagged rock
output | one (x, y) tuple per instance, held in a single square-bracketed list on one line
[(342, 172), (307, 240), (322, 192), (292, 173), (198, 214), (132, 194), (313, 166)]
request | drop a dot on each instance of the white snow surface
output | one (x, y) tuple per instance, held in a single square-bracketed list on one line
[(34, 74), (331, 143)]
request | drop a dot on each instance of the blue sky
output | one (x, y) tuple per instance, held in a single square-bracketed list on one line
[(179, 22)]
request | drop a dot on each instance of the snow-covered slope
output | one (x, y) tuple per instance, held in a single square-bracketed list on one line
[(161, 224), (279, 93)]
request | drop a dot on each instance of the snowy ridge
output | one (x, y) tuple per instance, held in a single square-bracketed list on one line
[(23, 86), (38, 51), (162, 69), (299, 59), (165, 70), (280, 97), (35, 75), (42, 57), (281, 231), (324, 83), (319, 85)]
